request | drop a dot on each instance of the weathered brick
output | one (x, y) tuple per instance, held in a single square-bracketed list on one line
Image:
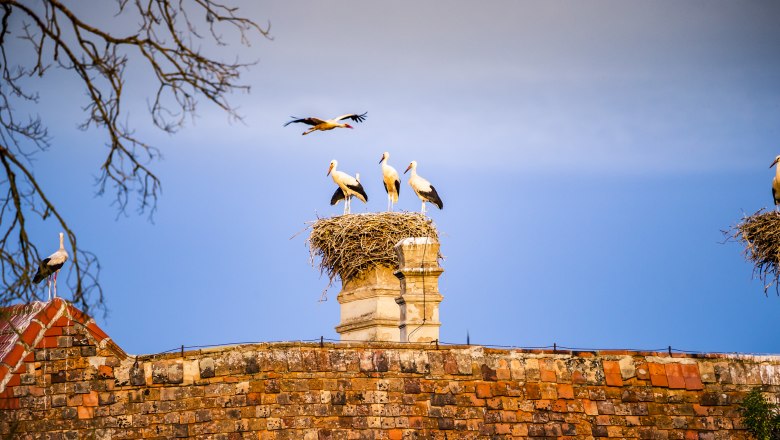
[(488, 373), (612, 374), (715, 398), (483, 390), (565, 391), (207, 368), (442, 399), (547, 371), (691, 376), (289, 391), (657, 375), (674, 376)]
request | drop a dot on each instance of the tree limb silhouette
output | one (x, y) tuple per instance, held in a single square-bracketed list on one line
[(167, 41)]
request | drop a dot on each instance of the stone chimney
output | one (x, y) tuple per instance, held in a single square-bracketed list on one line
[(364, 251), (418, 271), (368, 306)]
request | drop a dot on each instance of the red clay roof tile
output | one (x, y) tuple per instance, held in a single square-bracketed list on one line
[(14, 320), (21, 325)]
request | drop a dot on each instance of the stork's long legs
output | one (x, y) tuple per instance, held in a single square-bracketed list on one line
[(347, 205), (55, 283), (48, 283), (423, 208)]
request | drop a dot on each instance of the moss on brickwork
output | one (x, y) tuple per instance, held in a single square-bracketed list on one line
[(376, 391)]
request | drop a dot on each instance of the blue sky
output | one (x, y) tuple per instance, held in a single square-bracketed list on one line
[(588, 155)]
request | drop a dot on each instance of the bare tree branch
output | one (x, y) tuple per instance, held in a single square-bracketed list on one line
[(167, 41)]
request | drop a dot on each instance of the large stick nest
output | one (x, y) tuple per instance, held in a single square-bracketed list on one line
[(349, 244), (760, 234)]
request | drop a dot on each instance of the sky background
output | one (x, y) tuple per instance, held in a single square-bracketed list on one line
[(589, 154)]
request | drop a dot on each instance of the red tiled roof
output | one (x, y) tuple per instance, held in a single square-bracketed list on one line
[(14, 320), (23, 327)]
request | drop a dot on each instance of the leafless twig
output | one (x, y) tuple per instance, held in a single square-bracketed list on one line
[(167, 40)]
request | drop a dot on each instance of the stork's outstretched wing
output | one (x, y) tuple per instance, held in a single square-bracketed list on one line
[(309, 121), (353, 116)]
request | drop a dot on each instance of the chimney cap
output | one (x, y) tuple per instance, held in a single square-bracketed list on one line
[(419, 241)]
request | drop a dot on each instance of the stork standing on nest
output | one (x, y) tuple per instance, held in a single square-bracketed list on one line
[(424, 190), (776, 183), (328, 124), (338, 195), (49, 267), (391, 180), (348, 184)]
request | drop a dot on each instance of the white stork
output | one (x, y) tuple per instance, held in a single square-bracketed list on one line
[(329, 124), (348, 185), (49, 267), (776, 183), (338, 195), (391, 180), (424, 190)]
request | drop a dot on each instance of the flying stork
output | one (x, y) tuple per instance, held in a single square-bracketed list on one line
[(776, 183), (329, 124), (391, 180), (424, 190), (348, 185), (338, 195), (49, 267)]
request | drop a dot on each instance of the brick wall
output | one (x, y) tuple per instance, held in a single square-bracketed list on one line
[(74, 384)]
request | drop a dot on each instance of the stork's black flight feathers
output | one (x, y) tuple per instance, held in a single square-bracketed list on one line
[(337, 196), (45, 270), (359, 189), (433, 197), (354, 116)]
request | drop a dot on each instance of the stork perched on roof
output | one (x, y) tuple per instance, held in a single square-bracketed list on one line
[(327, 124), (338, 195), (50, 266), (349, 185), (424, 190), (776, 183), (391, 180)]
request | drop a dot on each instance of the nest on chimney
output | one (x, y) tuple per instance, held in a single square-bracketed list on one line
[(349, 244), (760, 234)]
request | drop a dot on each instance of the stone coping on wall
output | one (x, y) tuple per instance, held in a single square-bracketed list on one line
[(660, 356)]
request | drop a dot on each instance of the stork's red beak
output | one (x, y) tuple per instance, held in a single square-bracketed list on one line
[(408, 168), (383, 158), (775, 162), (347, 125), (330, 168)]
